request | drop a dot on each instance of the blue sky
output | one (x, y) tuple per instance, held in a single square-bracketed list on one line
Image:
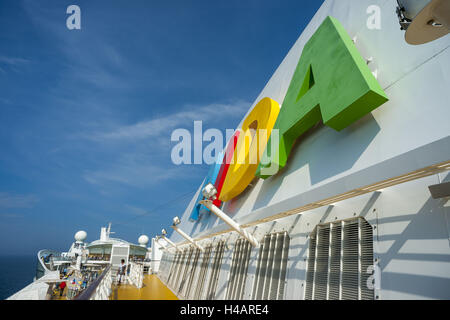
[(86, 115)]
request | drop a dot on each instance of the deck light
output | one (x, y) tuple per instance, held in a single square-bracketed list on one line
[(164, 233), (161, 245), (210, 190), (177, 221)]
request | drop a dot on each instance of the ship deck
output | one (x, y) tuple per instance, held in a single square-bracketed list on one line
[(153, 289)]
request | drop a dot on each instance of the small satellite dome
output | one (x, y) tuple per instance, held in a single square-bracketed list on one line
[(143, 240), (80, 235)]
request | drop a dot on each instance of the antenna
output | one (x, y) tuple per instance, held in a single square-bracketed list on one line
[(109, 229)]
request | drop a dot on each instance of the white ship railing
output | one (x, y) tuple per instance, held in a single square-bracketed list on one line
[(136, 276), (100, 289), (44, 267), (154, 265)]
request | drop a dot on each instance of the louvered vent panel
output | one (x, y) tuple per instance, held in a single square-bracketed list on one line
[(321, 272), (366, 258), (238, 272), (350, 266), (172, 267), (174, 270), (162, 263), (171, 264), (334, 280), (233, 274), (271, 267), (165, 266), (215, 269), (185, 271), (192, 272), (205, 257), (310, 268), (338, 258), (242, 270), (284, 260), (179, 271), (261, 268)]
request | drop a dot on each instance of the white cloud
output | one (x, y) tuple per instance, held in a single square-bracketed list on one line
[(135, 210), (101, 66), (163, 125), (11, 215), (8, 200), (133, 170), (13, 61), (141, 166)]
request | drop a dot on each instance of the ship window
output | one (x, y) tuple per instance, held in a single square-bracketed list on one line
[(238, 272), (117, 254), (339, 256), (271, 267)]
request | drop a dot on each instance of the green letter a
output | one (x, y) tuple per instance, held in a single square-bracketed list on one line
[(332, 82)]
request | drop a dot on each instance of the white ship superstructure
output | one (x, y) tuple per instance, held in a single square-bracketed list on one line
[(361, 207), (361, 213), (96, 263)]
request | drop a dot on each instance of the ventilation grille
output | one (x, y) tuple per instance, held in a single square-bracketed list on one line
[(191, 273), (215, 269), (339, 255), (165, 266), (271, 267), (175, 270), (169, 279), (184, 271), (238, 272), (203, 268), (178, 276)]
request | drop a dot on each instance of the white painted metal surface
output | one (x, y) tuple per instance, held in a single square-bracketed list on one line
[(411, 231), (104, 289), (136, 276)]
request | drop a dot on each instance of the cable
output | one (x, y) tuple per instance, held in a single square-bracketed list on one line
[(154, 209)]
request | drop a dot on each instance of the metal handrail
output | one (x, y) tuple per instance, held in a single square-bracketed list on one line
[(41, 254), (89, 291), (136, 275)]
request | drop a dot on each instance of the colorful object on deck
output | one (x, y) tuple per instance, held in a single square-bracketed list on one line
[(332, 83), (210, 178), (251, 144), (225, 166)]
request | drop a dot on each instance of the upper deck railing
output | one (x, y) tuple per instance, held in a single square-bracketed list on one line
[(136, 276), (100, 288)]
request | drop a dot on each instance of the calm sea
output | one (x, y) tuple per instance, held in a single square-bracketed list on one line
[(16, 272)]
